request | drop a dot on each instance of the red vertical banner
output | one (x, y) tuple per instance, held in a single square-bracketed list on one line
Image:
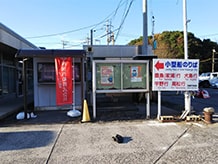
[(64, 87)]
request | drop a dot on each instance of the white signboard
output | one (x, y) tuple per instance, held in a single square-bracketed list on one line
[(175, 75)]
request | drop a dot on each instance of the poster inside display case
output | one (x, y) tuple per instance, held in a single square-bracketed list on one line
[(108, 76)]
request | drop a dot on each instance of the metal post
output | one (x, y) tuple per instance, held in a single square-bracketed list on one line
[(91, 37), (24, 72), (82, 82), (159, 105), (89, 70), (187, 96), (94, 89), (148, 104)]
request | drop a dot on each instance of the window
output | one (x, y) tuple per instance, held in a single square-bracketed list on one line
[(46, 72), (77, 72)]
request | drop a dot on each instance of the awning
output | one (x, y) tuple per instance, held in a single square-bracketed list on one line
[(49, 53)]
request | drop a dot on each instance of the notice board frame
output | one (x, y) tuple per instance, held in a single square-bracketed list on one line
[(108, 79)]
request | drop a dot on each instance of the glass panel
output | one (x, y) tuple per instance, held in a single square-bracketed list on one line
[(108, 76), (5, 89), (134, 76), (30, 80), (12, 80), (46, 72), (77, 72), (1, 80), (8, 60), (9, 81)]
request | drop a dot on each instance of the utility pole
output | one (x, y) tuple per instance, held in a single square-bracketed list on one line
[(213, 60), (153, 40), (112, 38), (145, 28), (64, 43), (187, 95), (108, 31), (91, 36), (185, 30)]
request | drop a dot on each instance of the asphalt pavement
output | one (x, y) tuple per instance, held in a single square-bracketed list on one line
[(53, 137), (175, 101), (144, 141)]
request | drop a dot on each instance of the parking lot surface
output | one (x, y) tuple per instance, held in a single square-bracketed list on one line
[(53, 137)]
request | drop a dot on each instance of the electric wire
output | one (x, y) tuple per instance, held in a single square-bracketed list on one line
[(112, 14), (118, 7), (123, 20)]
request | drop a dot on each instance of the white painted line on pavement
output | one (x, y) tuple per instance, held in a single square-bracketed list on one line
[(156, 123)]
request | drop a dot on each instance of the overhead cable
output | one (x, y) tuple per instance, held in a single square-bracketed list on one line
[(122, 22), (82, 28)]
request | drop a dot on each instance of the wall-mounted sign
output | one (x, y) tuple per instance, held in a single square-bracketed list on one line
[(175, 74)]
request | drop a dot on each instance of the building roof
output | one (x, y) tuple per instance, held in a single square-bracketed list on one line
[(12, 39)]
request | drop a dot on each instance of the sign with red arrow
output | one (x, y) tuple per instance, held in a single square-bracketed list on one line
[(175, 74), (159, 65)]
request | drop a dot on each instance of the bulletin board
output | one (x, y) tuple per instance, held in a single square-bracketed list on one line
[(120, 76)]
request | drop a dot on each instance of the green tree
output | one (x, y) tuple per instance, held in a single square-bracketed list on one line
[(170, 44)]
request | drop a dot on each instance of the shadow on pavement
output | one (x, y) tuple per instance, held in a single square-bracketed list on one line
[(25, 139), (43, 117)]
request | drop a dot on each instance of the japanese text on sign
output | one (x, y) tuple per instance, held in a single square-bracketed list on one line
[(175, 74)]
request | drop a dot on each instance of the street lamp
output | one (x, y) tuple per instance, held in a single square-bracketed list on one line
[(213, 54)]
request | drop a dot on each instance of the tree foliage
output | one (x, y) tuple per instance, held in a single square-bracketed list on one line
[(170, 44)]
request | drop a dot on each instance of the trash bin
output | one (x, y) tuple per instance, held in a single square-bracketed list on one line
[(208, 114)]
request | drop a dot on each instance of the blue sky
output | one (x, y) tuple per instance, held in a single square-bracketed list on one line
[(49, 23)]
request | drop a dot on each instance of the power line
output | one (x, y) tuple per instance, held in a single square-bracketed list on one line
[(205, 60), (61, 33), (82, 28), (124, 18), (118, 6)]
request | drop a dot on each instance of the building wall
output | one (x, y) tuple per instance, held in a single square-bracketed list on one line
[(116, 51), (113, 51), (8, 75), (10, 68), (45, 92)]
